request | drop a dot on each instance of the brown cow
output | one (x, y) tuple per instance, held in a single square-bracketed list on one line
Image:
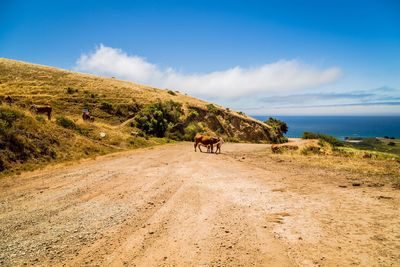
[(210, 148), (42, 110), (218, 145), (205, 140)]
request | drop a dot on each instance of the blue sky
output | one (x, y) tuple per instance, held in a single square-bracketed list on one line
[(262, 57)]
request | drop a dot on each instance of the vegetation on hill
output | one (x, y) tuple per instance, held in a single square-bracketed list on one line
[(377, 148), (125, 115), (278, 125), (386, 145), (324, 137)]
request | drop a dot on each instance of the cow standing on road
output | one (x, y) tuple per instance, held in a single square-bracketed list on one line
[(205, 140)]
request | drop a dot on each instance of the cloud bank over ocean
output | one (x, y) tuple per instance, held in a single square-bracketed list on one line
[(281, 76), (284, 87)]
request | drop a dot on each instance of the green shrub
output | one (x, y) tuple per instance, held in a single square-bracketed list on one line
[(191, 130), (171, 92), (192, 115), (327, 138), (8, 117), (40, 119), (66, 123), (107, 107), (211, 108), (155, 118), (391, 144), (127, 110)]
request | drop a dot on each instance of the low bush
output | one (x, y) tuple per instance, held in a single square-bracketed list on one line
[(324, 137), (310, 150), (154, 119), (211, 108), (66, 123), (107, 107), (70, 124), (192, 115), (191, 130), (127, 110), (171, 92)]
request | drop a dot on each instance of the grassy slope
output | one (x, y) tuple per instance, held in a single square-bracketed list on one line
[(69, 92), (390, 146)]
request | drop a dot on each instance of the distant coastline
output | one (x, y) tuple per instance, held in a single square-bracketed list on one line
[(341, 126)]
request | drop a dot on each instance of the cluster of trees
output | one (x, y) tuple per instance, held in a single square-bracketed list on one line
[(278, 125)]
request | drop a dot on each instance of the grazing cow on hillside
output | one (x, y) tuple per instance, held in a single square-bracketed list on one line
[(9, 100), (87, 117), (42, 110), (205, 140)]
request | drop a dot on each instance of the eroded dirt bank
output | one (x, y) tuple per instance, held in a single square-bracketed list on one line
[(169, 206)]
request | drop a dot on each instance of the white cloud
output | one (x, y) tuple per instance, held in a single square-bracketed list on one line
[(278, 77)]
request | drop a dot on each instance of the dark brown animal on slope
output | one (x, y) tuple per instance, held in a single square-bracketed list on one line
[(42, 110), (87, 117), (205, 140), (9, 100)]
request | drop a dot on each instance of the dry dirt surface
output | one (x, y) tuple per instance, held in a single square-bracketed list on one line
[(170, 206)]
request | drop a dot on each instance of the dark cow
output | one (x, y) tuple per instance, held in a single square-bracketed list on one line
[(87, 117), (210, 148), (42, 110), (9, 100), (205, 140)]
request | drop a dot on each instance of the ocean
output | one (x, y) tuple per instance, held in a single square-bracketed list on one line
[(341, 126)]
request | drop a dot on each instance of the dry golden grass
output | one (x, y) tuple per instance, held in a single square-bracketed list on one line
[(342, 166), (112, 102), (30, 83)]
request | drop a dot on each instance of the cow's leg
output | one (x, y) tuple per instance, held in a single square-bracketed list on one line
[(195, 146)]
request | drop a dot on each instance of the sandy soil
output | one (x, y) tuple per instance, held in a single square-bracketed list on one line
[(170, 206)]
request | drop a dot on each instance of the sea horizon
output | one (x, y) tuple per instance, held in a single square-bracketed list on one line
[(340, 126)]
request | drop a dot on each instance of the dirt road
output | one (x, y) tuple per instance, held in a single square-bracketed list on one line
[(170, 206)]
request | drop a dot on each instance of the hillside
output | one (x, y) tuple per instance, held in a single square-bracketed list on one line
[(127, 115)]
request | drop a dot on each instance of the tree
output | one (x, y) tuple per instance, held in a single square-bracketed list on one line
[(277, 124)]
